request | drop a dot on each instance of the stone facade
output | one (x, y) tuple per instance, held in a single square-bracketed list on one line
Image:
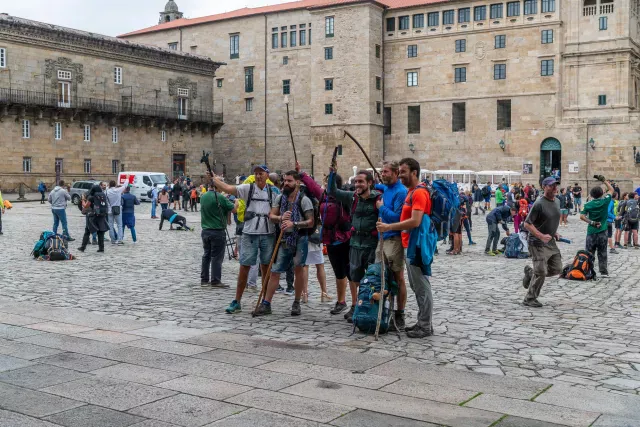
[(595, 54), (58, 81)]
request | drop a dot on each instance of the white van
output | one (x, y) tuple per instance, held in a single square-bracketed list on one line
[(142, 182)]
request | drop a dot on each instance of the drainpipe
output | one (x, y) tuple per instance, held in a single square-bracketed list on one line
[(180, 29), (384, 82), (587, 158), (265, 90)]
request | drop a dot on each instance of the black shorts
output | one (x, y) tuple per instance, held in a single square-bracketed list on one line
[(618, 224), (609, 230), (339, 259), (631, 226), (359, 260)]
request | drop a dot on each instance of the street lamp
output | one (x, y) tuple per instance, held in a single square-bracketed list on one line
[(636, 155), (502, 145), (412, 147), (592, 144)]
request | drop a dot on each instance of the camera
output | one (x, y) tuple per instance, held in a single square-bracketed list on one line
[(599, 177)]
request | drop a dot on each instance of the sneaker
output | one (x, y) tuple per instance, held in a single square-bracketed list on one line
[(70, 239), (472, 243), (532, 303), (399, 321), (410, 328), (295, 309), (81, 249), (490, 253), (219, 285), (100, 250), (604, 273), (349, 315), (618, 245), (120, 243), (203, 283), (289, 290), (636, 246), (528, 273), (280, 290), (419, 333), (263, 310), (613, 251), (338, 308), (234, 307)]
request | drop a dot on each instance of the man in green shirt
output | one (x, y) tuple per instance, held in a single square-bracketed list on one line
[(214, 213), (595, 213)]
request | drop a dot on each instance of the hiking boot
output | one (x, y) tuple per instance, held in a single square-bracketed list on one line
[(613, 251), (264, 310), (532, 303), (604, 273), (280, 290), (528, 273), (349, 315), (70, 239), (289, 290), (203, 283), (120, 242), (100, 250), (399, 321), (82, 248), (234, 307), (219, 285), (419, 333), (295, 309), (338, 308), (410, 328)]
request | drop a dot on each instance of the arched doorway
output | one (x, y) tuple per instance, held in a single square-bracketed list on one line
[(550, 157)]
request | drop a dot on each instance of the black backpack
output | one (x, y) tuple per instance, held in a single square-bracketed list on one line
[(632, 212), (150, 193), (100, 207), (485, 191)]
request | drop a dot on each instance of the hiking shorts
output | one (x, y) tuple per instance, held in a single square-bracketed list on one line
[(339, 259), (619, 224), (577, 200), (290, 255), (487, 199), (631, 226), (359, 260), (564, 211), (393, 253), (251, 244), (610, 230)]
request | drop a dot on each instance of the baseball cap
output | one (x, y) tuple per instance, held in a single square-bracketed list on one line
[(263, 167), (549, 181)]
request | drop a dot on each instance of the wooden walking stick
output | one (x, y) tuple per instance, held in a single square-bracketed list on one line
[(365, 154), (295, 155), (265, 278), (382, 283)]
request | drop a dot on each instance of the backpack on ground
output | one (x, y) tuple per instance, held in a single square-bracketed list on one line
[(445, 203), (56, 248), (365, 315), (39, 249), (581, 268), (7, 204), (632, 213), (514, 247), (100, 207)]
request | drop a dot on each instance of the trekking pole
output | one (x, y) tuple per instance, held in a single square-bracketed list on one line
[(265, 278), (382, 277)]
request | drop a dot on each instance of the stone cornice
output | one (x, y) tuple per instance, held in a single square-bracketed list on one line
[(39, 34)]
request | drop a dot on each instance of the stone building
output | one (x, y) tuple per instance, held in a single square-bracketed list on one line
[(525, 85), (76, 105)]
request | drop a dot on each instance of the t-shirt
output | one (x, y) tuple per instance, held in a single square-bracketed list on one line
[(261, 206), (306, 204), (544, 216), (212, 217), (597, 210), (577, 191), (417, 199), (563, 200)]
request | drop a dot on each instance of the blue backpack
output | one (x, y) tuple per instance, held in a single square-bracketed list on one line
[(445, 202), (365, 315), (40, 248), (514, 246)]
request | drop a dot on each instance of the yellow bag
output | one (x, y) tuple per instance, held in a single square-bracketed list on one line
[(7, 204)]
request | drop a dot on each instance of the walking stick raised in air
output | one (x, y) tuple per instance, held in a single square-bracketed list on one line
[(205, 160), (265, 278), (382, 283)]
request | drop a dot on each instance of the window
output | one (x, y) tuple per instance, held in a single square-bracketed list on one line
[(530, 7), (309, 33), (418, 20), (387, 120), (464, 15), (412, 51), (114, 135), (602, 99), (328, 108), (3, 57), (292, 39), (283, 39), (115, 166), (285, 60), (173, 46), (513, 8), (377, 51), (378, 107), (328, 53), (64, 75), (378, 83), (274, 40), (26, 129), (433, 19), (548, 6), (234, 46), (303, 37), (183, 108), (500, 42), (117, 75), (286, 87), (328, 26), (219, 82), (480, 13), (248, 79), (461, 46), (87, 133), (163, 136), (59, 165), (248, 104), (459, 117), (403, 23), (412, 78), (391, 24), (603, 23), (546, 68), (183, 92), (448, 17), (87, 166), (499, 71), (496, 11), (57, 131), (413, 119), (460, 75), (504, 114), (328, 84), (547, 36), (26, 164)]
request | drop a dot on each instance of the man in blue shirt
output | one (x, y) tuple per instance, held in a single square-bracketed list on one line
[(390, 208)]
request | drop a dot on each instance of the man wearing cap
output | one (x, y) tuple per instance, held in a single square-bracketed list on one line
[(542, 224), (258, 231)]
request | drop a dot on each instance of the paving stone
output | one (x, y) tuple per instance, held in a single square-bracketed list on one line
[(441, 393), (34, 403), (153, 423), (607, 420), (69, 343), (144, 357), (257, 418), (25, 351), (401, 406), (188, 411), (75, 361), (13, 419), (590, 400), (534, 410), (136, 374), (107, 336), (288, 404), (93, 416), (512, 421), (169, 332), (8, 363), (623, 383), (17, 320), (114, 394), (13, 332), (59, 328), (39, 376), (431, 374), (169, 346), (204, 387), (235, 358), (360, 418)]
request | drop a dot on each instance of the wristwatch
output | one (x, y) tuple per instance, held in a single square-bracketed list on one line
[(295, 226)]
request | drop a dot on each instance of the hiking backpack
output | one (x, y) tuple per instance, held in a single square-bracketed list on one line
[(100, 207), (335, 218), (632, 212), (39, 249), (150, 194), (524, 208), (56, 248), (514, 247), (365, 315), (486, 191), (445, 203), (581, 268)]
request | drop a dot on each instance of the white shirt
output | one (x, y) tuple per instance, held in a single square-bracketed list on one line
[(261, 205)]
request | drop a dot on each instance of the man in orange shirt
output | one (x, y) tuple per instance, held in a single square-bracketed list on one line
[(416, 205)]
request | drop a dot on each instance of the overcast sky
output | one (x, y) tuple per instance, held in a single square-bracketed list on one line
[(113, 17)]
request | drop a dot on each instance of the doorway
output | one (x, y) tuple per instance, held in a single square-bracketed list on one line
[(550, 158), (179, 162)]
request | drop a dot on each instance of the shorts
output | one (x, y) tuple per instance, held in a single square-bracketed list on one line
[(359, 260), (339, 259), (289, 255), (631, 226), (393, 253), (487, 199), (251, 243), (314, 257), (577, 200), (610, 230), (618, 224), (564, 211)]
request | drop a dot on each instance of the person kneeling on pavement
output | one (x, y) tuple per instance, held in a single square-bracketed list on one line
[(173, 218)]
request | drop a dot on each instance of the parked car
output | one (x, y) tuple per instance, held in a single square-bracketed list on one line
[(79, 188)]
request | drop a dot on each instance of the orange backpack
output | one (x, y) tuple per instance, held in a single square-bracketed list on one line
[(581, 268), (194, 194), (524, 208)]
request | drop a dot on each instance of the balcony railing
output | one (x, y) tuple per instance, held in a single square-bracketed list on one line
[(606, 8), (126, 108), (589, 10)]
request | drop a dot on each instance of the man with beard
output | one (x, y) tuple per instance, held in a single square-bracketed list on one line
[(364, 237), (294, 212), (390, 207)]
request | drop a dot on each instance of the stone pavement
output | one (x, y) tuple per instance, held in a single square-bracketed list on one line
[(582, 344)]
